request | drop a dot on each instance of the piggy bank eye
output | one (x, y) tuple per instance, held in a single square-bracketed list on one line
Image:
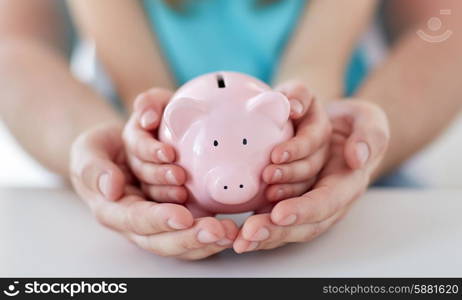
[(215, 143), (244, 141)]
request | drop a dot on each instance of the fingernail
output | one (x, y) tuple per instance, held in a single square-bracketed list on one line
[(224, 242), (284, 157), (148, 118), (103, 184), (296, 106), (162, 156), (279, 194), (175, 225), (362, 152), (261, 235), (170, 177), (289, 220), (277, 175), (252, 246), (206, 237)]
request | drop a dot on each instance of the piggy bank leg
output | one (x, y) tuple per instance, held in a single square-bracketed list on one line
[(197, 211)]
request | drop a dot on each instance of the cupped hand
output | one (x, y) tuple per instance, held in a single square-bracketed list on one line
[(296, 162), (358, 144), (101, 178)]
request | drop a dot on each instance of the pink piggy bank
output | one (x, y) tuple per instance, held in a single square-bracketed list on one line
[(223, 127)]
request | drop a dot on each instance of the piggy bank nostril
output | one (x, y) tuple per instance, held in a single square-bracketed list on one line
[(225, 187), (241, 186)]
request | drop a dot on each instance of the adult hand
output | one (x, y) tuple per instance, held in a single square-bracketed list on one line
[(101, 178), (359, 141)]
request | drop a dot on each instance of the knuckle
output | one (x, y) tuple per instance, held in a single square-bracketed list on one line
[(288, 173), (314, 212), (284, 234), (140, 145), (289, 190), (189, 243), (296, 85), (140, 100), (279, 235), (364, 107), (209, 221), (134, 220), (314, 231), (81, 171), (381, 136), (297, 145)]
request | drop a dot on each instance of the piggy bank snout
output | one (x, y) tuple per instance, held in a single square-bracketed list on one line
[(232, 186)]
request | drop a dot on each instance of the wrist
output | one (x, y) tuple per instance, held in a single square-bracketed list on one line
[(325, 83)]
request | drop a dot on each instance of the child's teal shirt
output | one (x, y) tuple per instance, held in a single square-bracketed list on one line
[(237, 35)]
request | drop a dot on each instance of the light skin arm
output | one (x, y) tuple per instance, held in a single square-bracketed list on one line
[(39, 96), (125, 44), (321, 46), (418, 86)]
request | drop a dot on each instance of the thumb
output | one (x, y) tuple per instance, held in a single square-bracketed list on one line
[(149, 106), (357, 152), (369, 138), (103, 178), (93, 171), (369, 132)]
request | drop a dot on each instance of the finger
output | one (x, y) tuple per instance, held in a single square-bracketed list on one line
[(297, 171), (206, 231), (103, 177), (165, 193), (328, 196), (276, 236), (255, 230), (299, 97), (313, 132), (143, 144), (148, 109), (149, 106), (279, 192), (231, 230), (209, 250), (201, 253), (157, 174), (134, 215), (93, 172), (146, 148), (370, 131), (299, 233)]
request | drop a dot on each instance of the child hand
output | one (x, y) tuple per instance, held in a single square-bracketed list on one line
[(296, 162), (150, 160)]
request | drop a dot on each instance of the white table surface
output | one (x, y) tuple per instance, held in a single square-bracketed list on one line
[(49, 232)]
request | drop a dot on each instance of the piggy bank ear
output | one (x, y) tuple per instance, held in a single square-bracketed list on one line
[(182, 114), (272, 104)]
